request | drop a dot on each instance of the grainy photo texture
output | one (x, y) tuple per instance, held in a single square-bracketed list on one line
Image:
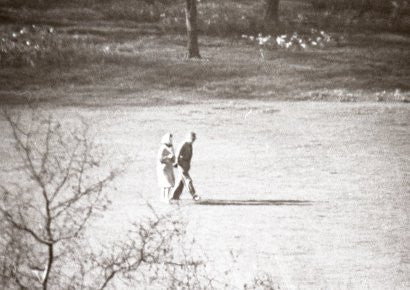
[(204, 144)]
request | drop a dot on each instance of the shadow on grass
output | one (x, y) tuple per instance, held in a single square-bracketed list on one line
[(253, 202)]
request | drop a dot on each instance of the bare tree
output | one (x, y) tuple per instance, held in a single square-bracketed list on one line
[(153, 253), (60, 186), (271, 17), (192, 30), (55, 197)]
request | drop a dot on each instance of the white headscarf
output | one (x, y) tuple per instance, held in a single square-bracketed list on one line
[(166, 139)]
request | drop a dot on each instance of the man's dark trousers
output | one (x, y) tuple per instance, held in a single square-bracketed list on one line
[(183, 180)]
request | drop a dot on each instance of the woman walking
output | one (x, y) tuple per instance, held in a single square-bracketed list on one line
[(165, 169)]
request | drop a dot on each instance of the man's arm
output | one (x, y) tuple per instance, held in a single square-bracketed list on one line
[(181, 154), (178, 154)]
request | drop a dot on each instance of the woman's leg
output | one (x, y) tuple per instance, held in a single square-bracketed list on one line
[(165, 194), (161, 197), (168, 194)]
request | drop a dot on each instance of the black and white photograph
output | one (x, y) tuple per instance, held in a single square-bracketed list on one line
[(204, 144)]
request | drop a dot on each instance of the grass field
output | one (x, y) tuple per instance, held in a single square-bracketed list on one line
[(111, 65), (337, 218), (316, 194)]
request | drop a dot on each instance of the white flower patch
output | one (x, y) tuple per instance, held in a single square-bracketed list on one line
[(292, 41)]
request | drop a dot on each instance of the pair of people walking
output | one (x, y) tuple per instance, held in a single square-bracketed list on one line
[(167, 160)]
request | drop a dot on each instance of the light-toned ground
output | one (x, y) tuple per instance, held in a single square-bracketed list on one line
[(336, 175)]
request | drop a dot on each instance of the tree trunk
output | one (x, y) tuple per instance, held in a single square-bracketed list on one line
[(192, 31), (271, 15)]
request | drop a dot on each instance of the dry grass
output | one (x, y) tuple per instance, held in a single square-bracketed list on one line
[(100, 56), (102, 66)]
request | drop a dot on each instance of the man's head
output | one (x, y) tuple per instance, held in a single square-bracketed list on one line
[(191, 137)]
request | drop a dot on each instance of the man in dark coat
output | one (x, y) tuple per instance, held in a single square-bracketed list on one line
[(183, 162)]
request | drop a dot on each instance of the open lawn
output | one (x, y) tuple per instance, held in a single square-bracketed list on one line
[(316, 194)]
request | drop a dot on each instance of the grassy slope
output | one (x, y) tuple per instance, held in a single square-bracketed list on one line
[(144, 67), (152, 69)]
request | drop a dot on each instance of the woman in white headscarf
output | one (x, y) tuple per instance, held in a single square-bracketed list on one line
[(165, 169)]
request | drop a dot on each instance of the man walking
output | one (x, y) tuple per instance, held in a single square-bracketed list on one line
[(183, 162)]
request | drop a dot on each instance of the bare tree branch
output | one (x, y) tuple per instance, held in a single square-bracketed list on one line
[(54, 163), (24, 228), (65, 194)]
